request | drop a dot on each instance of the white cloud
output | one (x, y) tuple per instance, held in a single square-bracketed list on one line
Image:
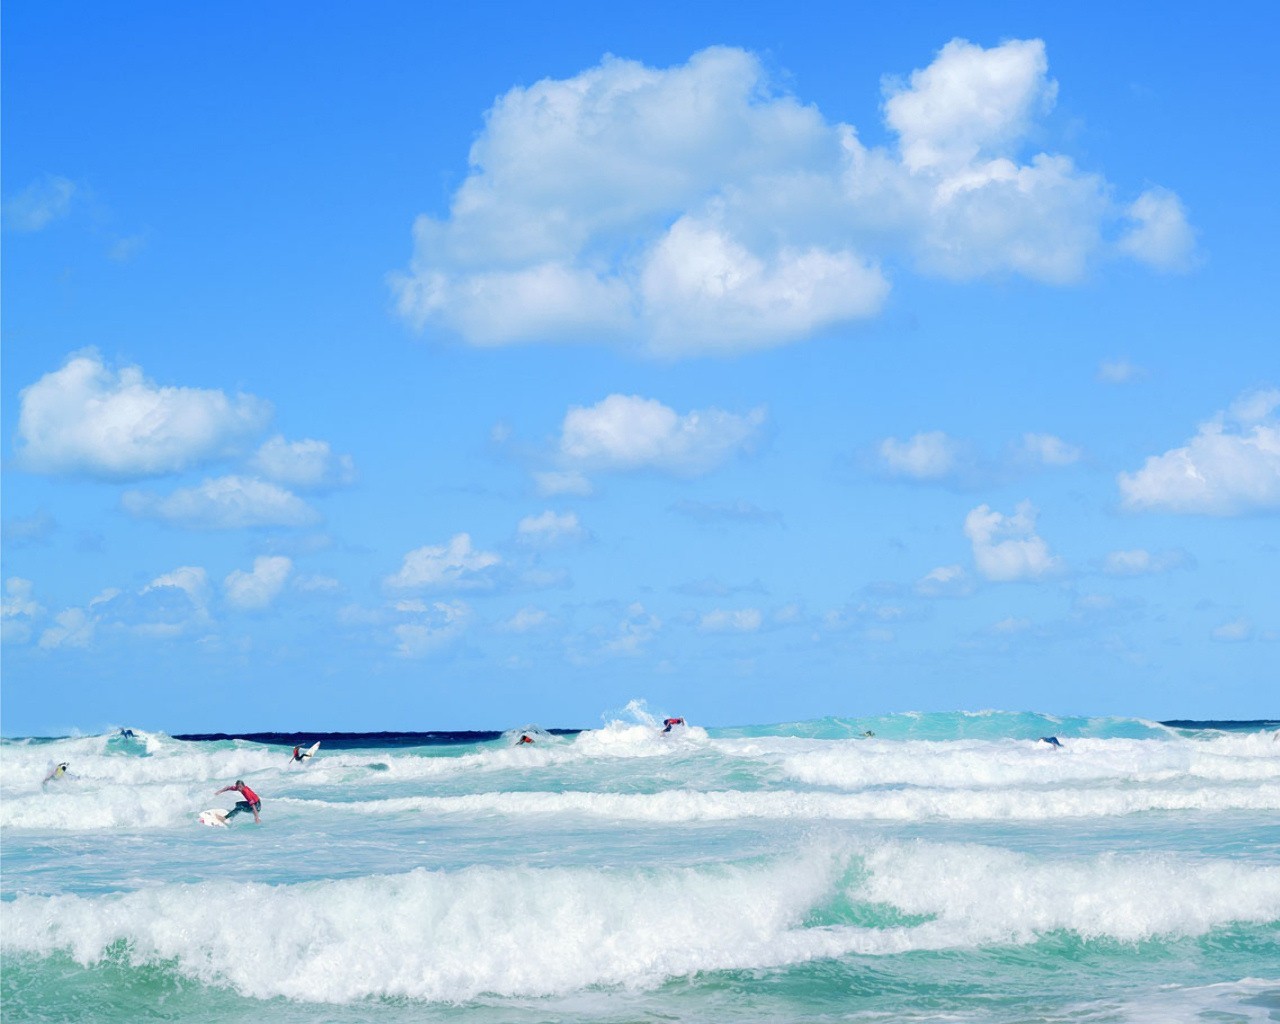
[(40, 204), (945, 581), (225, 503), (316, 584), (556, 482), (86, 419), (436, 626), (260, 586), (1160, 235), (306, 464), (925, 456), (1119, 371), (1140, 562), (18, 610), (699, 208), (633, 633), (1231, 466), (190, 579), (732, 620), (1233, 632), (626, 432), (1006, 548), (1011, 625), (549, 528), (524, 620), (455, 565), (1048, 450), (73, 628)]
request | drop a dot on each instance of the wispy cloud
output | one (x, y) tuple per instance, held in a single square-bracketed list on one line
[(225, 503), (306, 465), (257, 588), (456, 565), (40, 204)]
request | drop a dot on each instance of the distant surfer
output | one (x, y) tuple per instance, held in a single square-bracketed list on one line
[(251, 801), (524, 738), (667, 723), (868, 734), (1053, 741), (299, 755), (57, 773), (127, 733)]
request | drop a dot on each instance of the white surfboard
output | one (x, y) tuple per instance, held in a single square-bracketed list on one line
[(215, 817), (311, 750)]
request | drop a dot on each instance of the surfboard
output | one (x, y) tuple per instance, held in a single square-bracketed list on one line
[(215, 816), (311, 750)]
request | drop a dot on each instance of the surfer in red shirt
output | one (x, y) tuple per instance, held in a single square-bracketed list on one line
[(251, 801)]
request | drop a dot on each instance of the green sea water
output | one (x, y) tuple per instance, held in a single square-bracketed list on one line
[(946, 868)]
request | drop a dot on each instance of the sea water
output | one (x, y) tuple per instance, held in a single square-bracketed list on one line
[(950, 867)]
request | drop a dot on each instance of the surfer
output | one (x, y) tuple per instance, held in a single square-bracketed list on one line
[(251, 801), (524, 738), (299, 755), (1053, 741), (667, 723), (57, 772)]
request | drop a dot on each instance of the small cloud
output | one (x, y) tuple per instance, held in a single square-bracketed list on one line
[(1233, 632), (307, 464), (227, 503), (72, 628), (40, 204), (126, 249), (926, 456), (1160, 235), (455, 565), (192, 580), (1006, 548), (1011, 625), (316, 584), (433, 627), (1231, 467), (524, 620), (627, 432), (1119, 371), (256, 589), (633, 633), (734, 620), (945, 581), (549, 528), (1048, 450), (552, 483), (86, 419), (1140, 562), (19, 610)]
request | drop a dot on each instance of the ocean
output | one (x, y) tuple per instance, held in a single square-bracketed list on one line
[(908, 868)]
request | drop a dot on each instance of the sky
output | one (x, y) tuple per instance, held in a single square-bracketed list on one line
[(407, 366)]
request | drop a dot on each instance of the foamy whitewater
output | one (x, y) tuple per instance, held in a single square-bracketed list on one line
[(951, 867)]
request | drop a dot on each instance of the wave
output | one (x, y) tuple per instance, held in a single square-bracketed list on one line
[(456, 935)]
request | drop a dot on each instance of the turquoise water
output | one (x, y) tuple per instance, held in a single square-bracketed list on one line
[(948, 868)]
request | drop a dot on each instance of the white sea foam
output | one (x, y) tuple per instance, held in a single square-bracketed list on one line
[(525, 932), (900, 805)]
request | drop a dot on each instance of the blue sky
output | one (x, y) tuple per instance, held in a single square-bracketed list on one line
[(421, 368)]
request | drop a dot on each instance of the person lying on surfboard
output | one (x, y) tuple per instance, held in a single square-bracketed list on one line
[(251, 801)]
